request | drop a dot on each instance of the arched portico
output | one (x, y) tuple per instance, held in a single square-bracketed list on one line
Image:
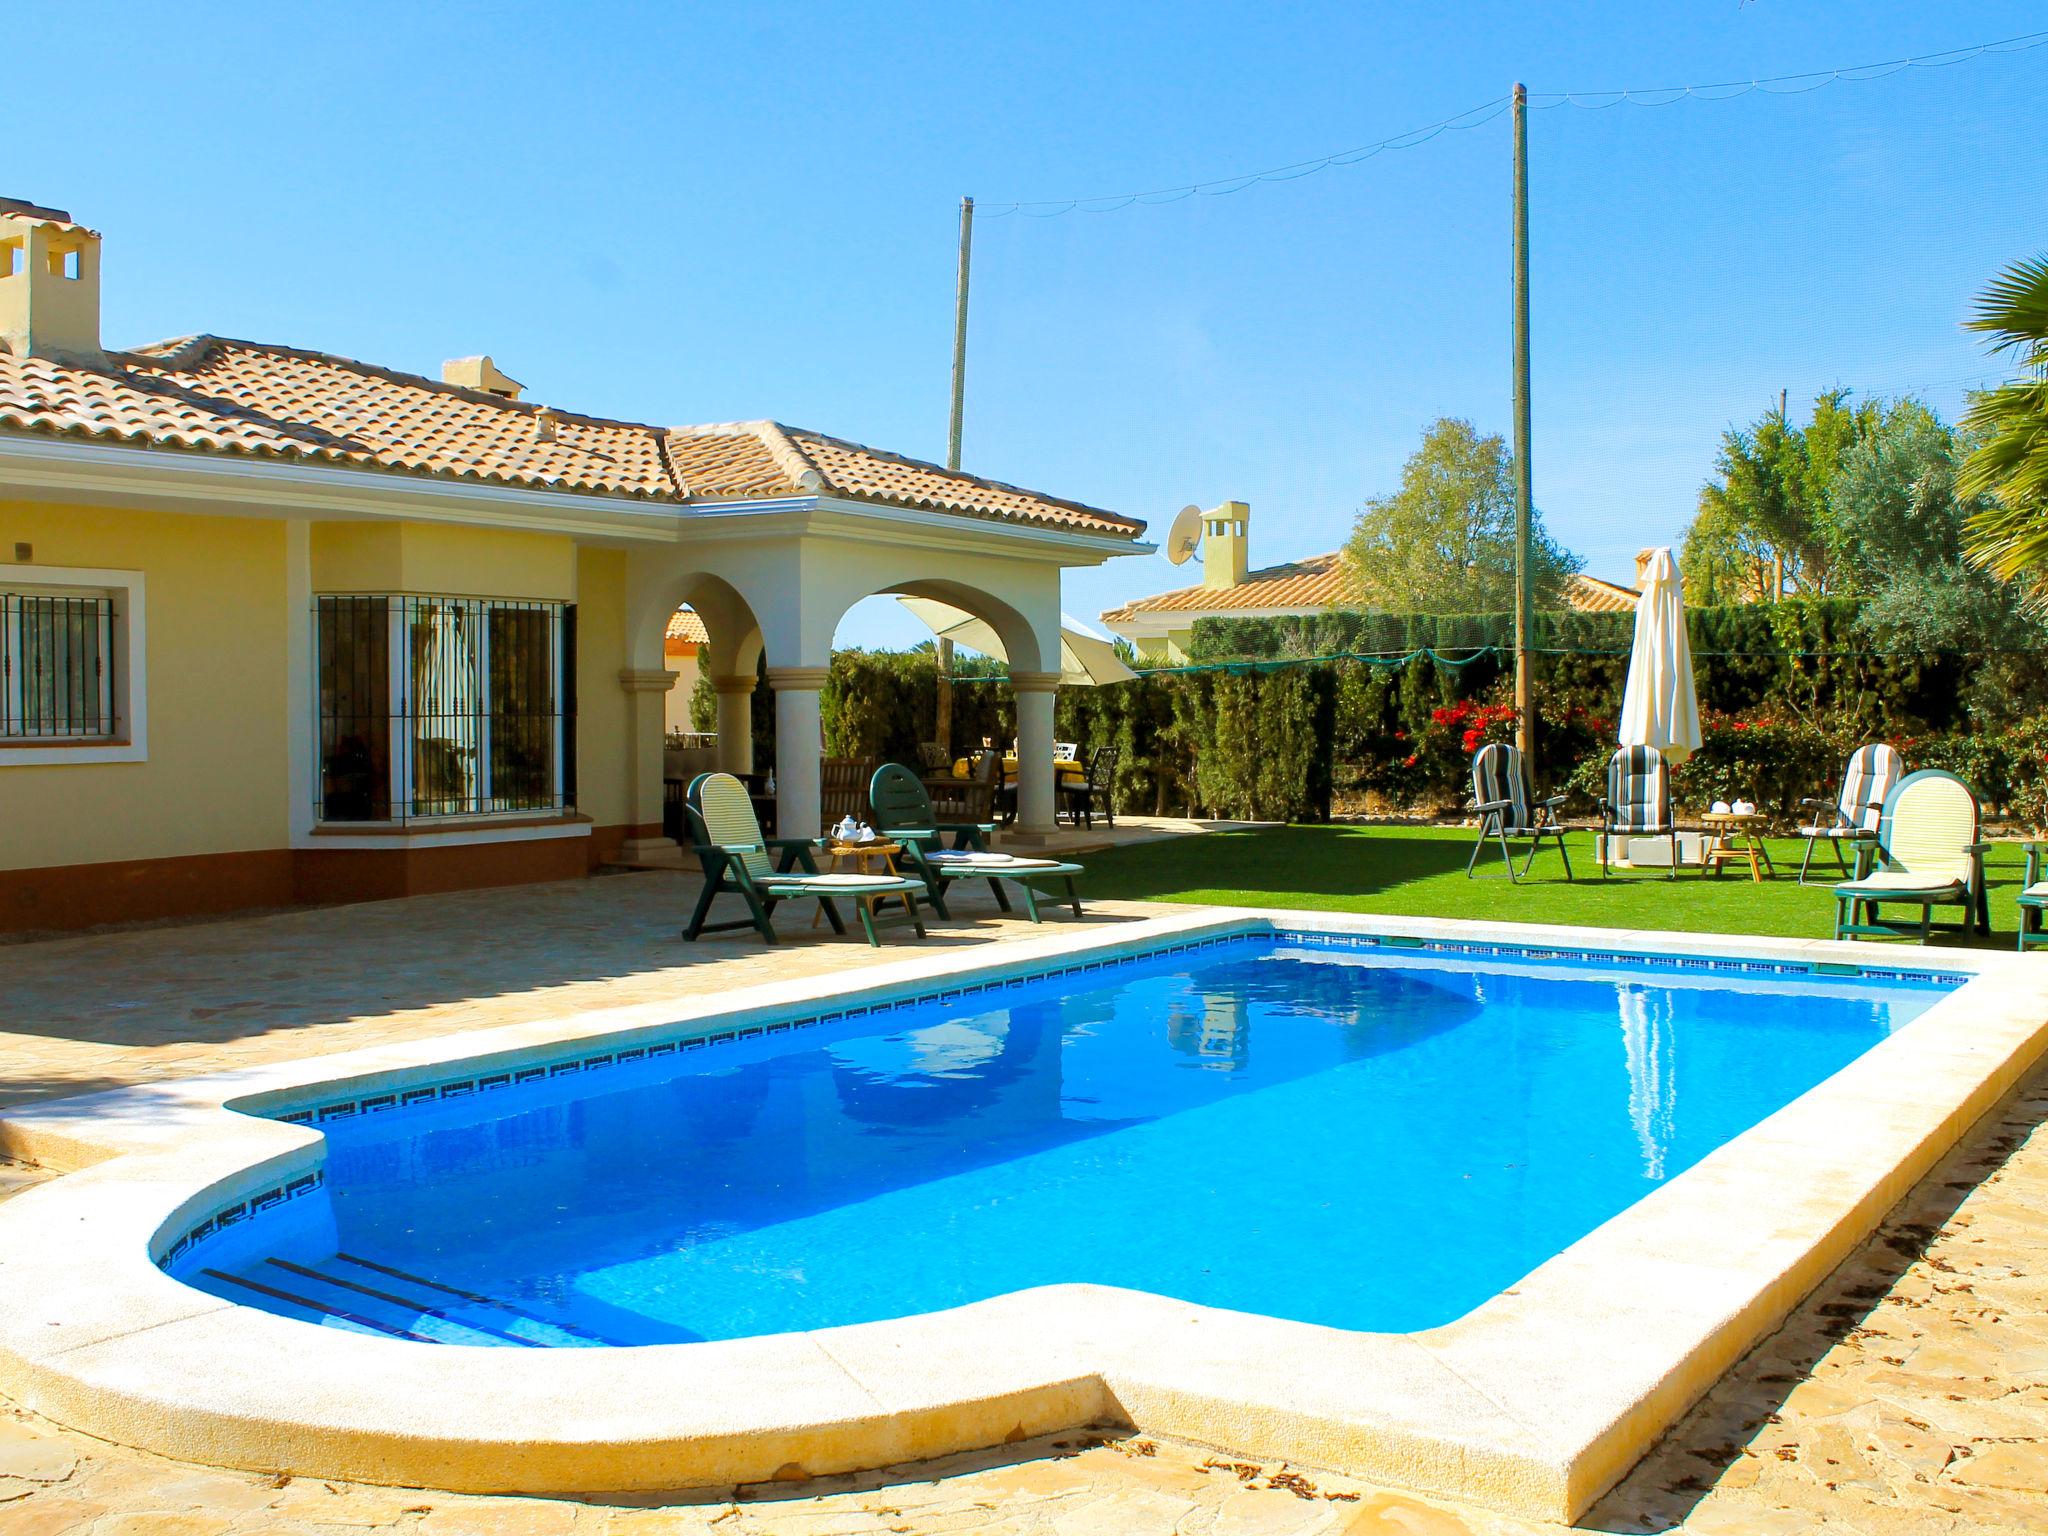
[(1027, 623), (784, 597), (731, 659)]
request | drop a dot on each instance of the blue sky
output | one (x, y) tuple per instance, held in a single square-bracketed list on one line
[(679, 213)]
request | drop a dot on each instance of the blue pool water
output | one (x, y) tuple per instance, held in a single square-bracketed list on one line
[(1341, 1134)]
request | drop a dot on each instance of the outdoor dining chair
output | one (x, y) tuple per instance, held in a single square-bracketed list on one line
[(1094, 786), (1926, 854), (903, 813), (1852, 816), (1500, 793), (1637, 803), (734, 856)]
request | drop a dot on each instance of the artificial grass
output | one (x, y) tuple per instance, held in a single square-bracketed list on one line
[(1420, 872)]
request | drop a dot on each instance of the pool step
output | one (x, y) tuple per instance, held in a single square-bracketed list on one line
[(363, 1296)]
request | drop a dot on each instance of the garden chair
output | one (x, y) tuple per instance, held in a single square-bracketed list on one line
[(934, 757), (1926, 854), (1852, 816), (1500, 793), (1637, 803), (1095, 785), (842, 788), (972, 799), (903, 813), (2033, 898), (729, 846)]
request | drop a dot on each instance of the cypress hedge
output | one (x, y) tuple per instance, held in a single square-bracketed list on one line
[(1785, 690)]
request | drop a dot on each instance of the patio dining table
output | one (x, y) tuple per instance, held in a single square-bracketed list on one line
[(963, 768)]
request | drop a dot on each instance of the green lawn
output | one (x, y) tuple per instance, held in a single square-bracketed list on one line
[(1420, 872)]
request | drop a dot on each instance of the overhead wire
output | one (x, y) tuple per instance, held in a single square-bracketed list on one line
[(1487, 111)]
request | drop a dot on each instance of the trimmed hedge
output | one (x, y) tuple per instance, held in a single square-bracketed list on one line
[(1786, 692)]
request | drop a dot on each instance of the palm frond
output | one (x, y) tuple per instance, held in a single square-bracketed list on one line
[(2014, 308)]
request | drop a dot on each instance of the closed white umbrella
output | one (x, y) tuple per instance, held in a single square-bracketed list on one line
[(1659, 708), (1088, 658)]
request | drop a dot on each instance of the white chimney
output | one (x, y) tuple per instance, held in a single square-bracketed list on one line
[(49, 284)]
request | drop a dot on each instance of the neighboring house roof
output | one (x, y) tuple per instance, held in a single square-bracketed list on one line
[(1321, 581), (212, 394), (1590, 594), (1318, 582), (685, 625)]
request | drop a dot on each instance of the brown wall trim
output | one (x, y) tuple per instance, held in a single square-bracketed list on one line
[(137, 890), (73, 896)]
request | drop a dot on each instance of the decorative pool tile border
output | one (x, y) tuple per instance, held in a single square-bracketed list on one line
[(488, 1082), (240, 1211)]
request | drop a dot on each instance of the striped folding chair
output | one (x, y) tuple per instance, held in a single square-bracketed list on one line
[(1637, 802), (1500, 793), (1926, 854), (1852, 816)]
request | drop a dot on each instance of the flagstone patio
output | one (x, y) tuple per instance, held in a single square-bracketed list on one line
[(1910, 1394)]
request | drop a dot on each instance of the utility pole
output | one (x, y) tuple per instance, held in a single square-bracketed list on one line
[(960, 332), (944, 723), (1525, 575)]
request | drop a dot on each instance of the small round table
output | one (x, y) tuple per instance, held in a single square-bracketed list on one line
[(1733, 839), (860, 859)]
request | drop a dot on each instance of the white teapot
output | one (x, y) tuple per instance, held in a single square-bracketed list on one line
[(1745, 807), (848, 829)]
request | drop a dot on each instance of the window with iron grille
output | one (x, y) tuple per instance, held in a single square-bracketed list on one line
[(56, 666), (442, 706)]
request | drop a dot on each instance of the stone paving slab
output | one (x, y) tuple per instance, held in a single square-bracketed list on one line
[(1908, 1395)]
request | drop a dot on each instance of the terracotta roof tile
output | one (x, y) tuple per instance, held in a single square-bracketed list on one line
[(212, 394), (685, 624), (206, 392), (1321, 581), (1590, 594), (1317, 582), (766, 458)]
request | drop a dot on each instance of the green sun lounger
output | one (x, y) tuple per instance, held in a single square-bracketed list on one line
[(1926, 854), (726, 837), (903, 814)]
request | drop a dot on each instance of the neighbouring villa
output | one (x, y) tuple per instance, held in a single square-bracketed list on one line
[(1160, 627), (280, 626)]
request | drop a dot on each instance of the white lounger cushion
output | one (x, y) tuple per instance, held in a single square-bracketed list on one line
[(840, 882), (1897, 880)]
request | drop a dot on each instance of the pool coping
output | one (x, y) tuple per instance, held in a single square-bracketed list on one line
[(1533, 1403)]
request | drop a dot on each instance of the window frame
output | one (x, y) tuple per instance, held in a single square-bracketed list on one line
[(402, 718), (126, 655)]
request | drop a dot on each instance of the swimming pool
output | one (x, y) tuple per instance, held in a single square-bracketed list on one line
[(1314, 1127), (1131, 1088)]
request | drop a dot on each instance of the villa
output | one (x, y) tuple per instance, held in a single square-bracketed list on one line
[(278, 626), (1161, 627)]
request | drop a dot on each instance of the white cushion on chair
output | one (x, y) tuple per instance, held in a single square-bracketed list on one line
[(842, 882), (1896, 880)]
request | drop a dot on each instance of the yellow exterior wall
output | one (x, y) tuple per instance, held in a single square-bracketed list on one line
[(441, 560), (1168, 650), (215, 781), (601, 724)]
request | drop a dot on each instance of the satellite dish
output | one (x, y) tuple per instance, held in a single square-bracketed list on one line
[(1185, 536)]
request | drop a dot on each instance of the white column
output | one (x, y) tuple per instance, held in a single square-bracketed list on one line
[(1034, 692), (735, 723), (646, 691), (799, 742)]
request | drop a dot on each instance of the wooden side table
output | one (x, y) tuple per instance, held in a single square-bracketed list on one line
[(1734, 840), (862, 859)]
